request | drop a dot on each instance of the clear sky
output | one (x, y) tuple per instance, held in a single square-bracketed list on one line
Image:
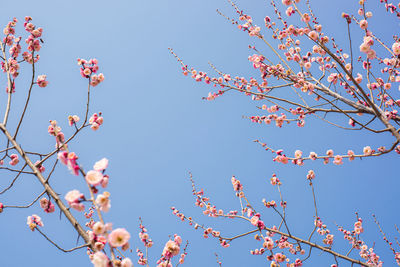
[(157, 128)]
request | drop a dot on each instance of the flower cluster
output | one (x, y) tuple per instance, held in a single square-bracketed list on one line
[(89, 69), (55, 131), (14, 159), (94, 178), (41, 81), (75, 199), (69, 159), (47, 205), (34, 221), (171, 249), (95, 121), (144, 236), (73, 119)]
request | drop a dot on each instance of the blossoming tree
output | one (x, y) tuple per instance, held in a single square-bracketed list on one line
[(351, 87), (309, 75), (104, 244)]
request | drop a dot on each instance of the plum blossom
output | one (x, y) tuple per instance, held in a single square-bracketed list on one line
[(69, 159), (118, 237), (88, 70), (254, 220), (350, 153), (313, 155), (363, 24), (72, 119), (14, 159), (329, 153), (41, 81), (94, 177), (99, 259), (74, 198), (298, 154), (98, 228), (310, 175), (103, 200), (367, 151), (338, 160), (40, 167), (47, 205), (34, 221), (171, 249), (126, 263), (95, 121), (396, 48), (101, 165), (313, 35), (96, 79)]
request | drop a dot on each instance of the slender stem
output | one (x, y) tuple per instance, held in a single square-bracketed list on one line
[(26, 206), (9, 83), (57, 246), (28, 97)]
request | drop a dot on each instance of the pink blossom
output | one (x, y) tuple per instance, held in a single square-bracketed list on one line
[(364, 47), (396, 48), (94, 177), (178, 239), (103, 200), (338, 160), (99, 259), (98, 228), (171, 249), (358, 79), (350, 153), (367, 151), (310, 175), (34, 221), (63, 157), (119, 237), (126, 263), (371, 54), (14, 159), (71, 163), (254, 220), (306, 18), (363, 24), (313, 156), (96, 79), (275, 180), (387, 86), (313, 35), (72, 119), (41, 81), (298, 154), (101, 165), (87, 71), (95, 121), (47, 205), (279, 257), (74, 198), (40, 167), (104, 182)]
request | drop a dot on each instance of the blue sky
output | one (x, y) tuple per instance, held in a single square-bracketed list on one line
[(157, 128)]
